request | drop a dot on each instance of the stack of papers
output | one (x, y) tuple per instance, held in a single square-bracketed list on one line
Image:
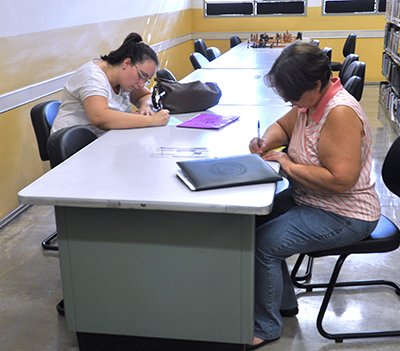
[(176, 151)]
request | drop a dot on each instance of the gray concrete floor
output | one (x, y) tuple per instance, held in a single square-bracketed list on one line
[(30, 285)]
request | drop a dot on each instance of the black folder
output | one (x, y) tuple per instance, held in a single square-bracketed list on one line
[(220, 172)]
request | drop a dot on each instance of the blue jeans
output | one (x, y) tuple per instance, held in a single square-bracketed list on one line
[(290, 230)]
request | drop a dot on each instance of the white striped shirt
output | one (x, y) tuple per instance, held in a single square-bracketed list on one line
[(361, 201)]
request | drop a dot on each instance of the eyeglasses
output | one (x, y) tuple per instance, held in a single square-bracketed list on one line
[(142, 76)]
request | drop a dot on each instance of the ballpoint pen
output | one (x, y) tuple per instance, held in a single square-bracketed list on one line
[(258, 133)]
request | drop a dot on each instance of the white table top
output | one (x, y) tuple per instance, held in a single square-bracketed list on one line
[(121, 169)]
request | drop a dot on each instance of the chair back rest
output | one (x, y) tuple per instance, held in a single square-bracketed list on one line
[(212, 53), (349, 46), (355, 86), (165, 73), (328, 52), (198, 60), (234, 40), (391, 168), (42, 117), (200, 46), (67, 141), (356, 68), (349, 59)]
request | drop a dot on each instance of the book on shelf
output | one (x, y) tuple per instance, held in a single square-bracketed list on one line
[(220, 172)]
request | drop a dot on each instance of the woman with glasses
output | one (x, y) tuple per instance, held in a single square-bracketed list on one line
[(101, 92), (332, 200)]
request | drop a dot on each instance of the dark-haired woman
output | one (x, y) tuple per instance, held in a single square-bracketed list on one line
[(101, 92), (332, 201)]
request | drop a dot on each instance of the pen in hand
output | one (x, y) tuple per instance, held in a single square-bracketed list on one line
[(258, 134)]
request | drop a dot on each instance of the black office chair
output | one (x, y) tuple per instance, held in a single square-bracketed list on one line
[(385, 238), (328, 52), (200, 46), (61, 145), (198, 60), (212, 53), (65, 142), (356, 68), (165, 73), (347, 61), (42, 117), (349, 47), (355, 86), (234, 40)]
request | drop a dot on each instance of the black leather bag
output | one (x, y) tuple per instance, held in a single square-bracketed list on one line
[(185, 97)]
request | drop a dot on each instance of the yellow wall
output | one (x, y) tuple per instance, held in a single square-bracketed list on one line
[(36, 57), (44, 55), (369, 49), (312, 21)]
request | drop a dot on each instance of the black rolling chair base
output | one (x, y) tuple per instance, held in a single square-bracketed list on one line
[(339, 337), (47, 244)]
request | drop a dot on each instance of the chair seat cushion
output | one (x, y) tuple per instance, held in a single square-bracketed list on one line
[(384, 238)]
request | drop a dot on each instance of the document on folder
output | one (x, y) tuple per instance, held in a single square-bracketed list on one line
[(208, 121)]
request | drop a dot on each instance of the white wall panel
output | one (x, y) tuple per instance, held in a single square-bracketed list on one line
[(28, 16)]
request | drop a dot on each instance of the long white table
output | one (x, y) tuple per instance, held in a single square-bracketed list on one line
[(143, 256), (238, 86), (126, 172)]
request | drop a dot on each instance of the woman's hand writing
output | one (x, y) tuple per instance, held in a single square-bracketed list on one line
[(160, 118), (258, 146), (255, 146)]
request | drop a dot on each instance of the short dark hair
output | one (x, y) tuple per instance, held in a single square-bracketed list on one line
[(134, 48), (298, 69)]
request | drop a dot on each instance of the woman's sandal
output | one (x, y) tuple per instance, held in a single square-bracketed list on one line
[(261, 344)]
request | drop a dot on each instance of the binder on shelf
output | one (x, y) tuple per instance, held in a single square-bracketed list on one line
[(220, 172)]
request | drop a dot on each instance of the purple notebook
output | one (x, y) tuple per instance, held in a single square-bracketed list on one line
[(208, 121)]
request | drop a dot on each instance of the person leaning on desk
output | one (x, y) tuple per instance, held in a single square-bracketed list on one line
[(101, 92), (332, 201)]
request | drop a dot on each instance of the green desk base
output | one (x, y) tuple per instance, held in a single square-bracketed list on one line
[(158, 274)]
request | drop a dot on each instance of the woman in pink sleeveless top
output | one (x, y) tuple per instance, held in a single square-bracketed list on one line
[(332, 201)]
